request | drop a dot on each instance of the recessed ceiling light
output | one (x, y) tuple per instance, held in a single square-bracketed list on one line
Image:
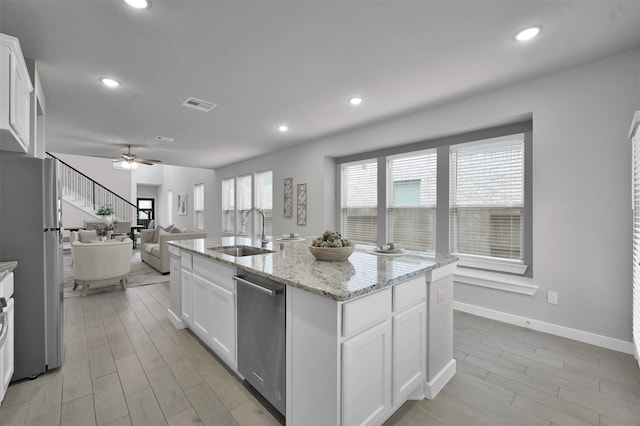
[(528, 33), (138, 4), (355, 100), (109, 82), (283, 128)]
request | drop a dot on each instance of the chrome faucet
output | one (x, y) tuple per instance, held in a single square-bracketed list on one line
[(245, 217)]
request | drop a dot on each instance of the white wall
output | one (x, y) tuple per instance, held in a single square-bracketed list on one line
[(581, 185)]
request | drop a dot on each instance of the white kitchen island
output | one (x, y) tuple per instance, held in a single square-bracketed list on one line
[(362, 336)]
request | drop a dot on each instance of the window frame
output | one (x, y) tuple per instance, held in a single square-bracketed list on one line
[(253, 226), (442, 210)]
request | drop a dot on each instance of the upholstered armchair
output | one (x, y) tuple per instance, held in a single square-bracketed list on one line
[(101, 261)]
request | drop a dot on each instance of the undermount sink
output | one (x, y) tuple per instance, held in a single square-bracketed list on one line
[(240, 251)]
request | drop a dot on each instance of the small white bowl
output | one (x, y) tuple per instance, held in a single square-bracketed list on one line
[(332, 254)]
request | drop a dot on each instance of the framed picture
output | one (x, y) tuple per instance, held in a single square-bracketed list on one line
[(302, 204), (288, 197), (182, 205)]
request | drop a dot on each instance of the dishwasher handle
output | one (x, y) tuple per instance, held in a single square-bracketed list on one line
[(268, 291)]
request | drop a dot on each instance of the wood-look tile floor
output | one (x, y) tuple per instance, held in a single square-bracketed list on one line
[(125, 364)]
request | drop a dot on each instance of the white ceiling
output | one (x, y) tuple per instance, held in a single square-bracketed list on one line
[(295, 62)]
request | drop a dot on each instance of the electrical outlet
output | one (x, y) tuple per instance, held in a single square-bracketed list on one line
[(552, 297)]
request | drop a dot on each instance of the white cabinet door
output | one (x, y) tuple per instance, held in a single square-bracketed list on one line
[(19, 102), (186, 284), (366, 376), (409, 359), (223, 331), (202, 308)]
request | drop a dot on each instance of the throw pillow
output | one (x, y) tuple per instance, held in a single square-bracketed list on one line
[(162, 232), (88, 236), (176, 230), (156, 235)]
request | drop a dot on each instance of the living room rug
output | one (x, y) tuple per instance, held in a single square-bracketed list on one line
[(141, 274)]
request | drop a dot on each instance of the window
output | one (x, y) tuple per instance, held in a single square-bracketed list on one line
[(264, 199), (411, 195), (244, 202), (359, 205), (198, 206), (487, 198), (238, 197), (229, 205), (467, 194)]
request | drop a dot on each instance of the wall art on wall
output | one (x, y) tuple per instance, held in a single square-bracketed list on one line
[(302, 204), (182, 205), (288, 197)]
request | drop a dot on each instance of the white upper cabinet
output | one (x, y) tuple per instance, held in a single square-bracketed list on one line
[(15, 90)]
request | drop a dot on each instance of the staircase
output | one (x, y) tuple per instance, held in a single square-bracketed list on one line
[(88, 195)]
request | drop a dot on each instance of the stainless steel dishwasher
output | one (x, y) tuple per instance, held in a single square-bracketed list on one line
[(261, 336)]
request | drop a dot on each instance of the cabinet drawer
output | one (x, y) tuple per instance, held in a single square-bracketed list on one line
[(362, 313), (409, 293), (185, 261), (214, 272)]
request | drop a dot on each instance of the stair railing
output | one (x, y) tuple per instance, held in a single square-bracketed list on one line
[(93, 194)]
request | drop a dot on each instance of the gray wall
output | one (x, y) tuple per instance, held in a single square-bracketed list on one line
[(581, 185)]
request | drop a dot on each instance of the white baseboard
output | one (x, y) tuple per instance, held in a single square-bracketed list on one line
[(432, 388), (545, 327), (175, 320)]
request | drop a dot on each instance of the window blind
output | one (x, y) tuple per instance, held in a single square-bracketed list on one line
[(198, 205), (264, 198), (244, 202), (228, 205), (411, 200), (635, 132), (359, 201), (487, 198)]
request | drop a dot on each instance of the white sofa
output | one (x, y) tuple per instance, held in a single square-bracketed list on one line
[(154, 249), (100, 261)]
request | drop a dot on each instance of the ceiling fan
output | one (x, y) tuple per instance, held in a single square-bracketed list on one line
[(130, 161)]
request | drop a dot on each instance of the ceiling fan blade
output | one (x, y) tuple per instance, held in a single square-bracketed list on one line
[(147, 162)]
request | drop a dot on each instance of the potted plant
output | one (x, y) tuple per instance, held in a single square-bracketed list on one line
[(106, 212)]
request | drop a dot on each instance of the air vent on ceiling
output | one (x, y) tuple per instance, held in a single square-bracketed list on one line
[(198, 104), (164, 139)]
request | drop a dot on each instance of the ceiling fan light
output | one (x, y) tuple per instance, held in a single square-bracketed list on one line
[(125, 164), (528, 33), (110, 82), (134, 166)]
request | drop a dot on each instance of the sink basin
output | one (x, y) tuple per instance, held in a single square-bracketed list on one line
[(240, 251)]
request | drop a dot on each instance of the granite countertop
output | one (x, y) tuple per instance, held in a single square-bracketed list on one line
[(6, 268), (292, 264)]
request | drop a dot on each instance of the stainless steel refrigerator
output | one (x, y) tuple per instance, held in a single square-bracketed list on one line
[(30, 232)]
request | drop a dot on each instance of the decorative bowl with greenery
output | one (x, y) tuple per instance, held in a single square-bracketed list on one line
[(105, 210), (331, 247)]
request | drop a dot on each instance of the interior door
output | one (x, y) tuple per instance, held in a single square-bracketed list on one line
[(146, 210)]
